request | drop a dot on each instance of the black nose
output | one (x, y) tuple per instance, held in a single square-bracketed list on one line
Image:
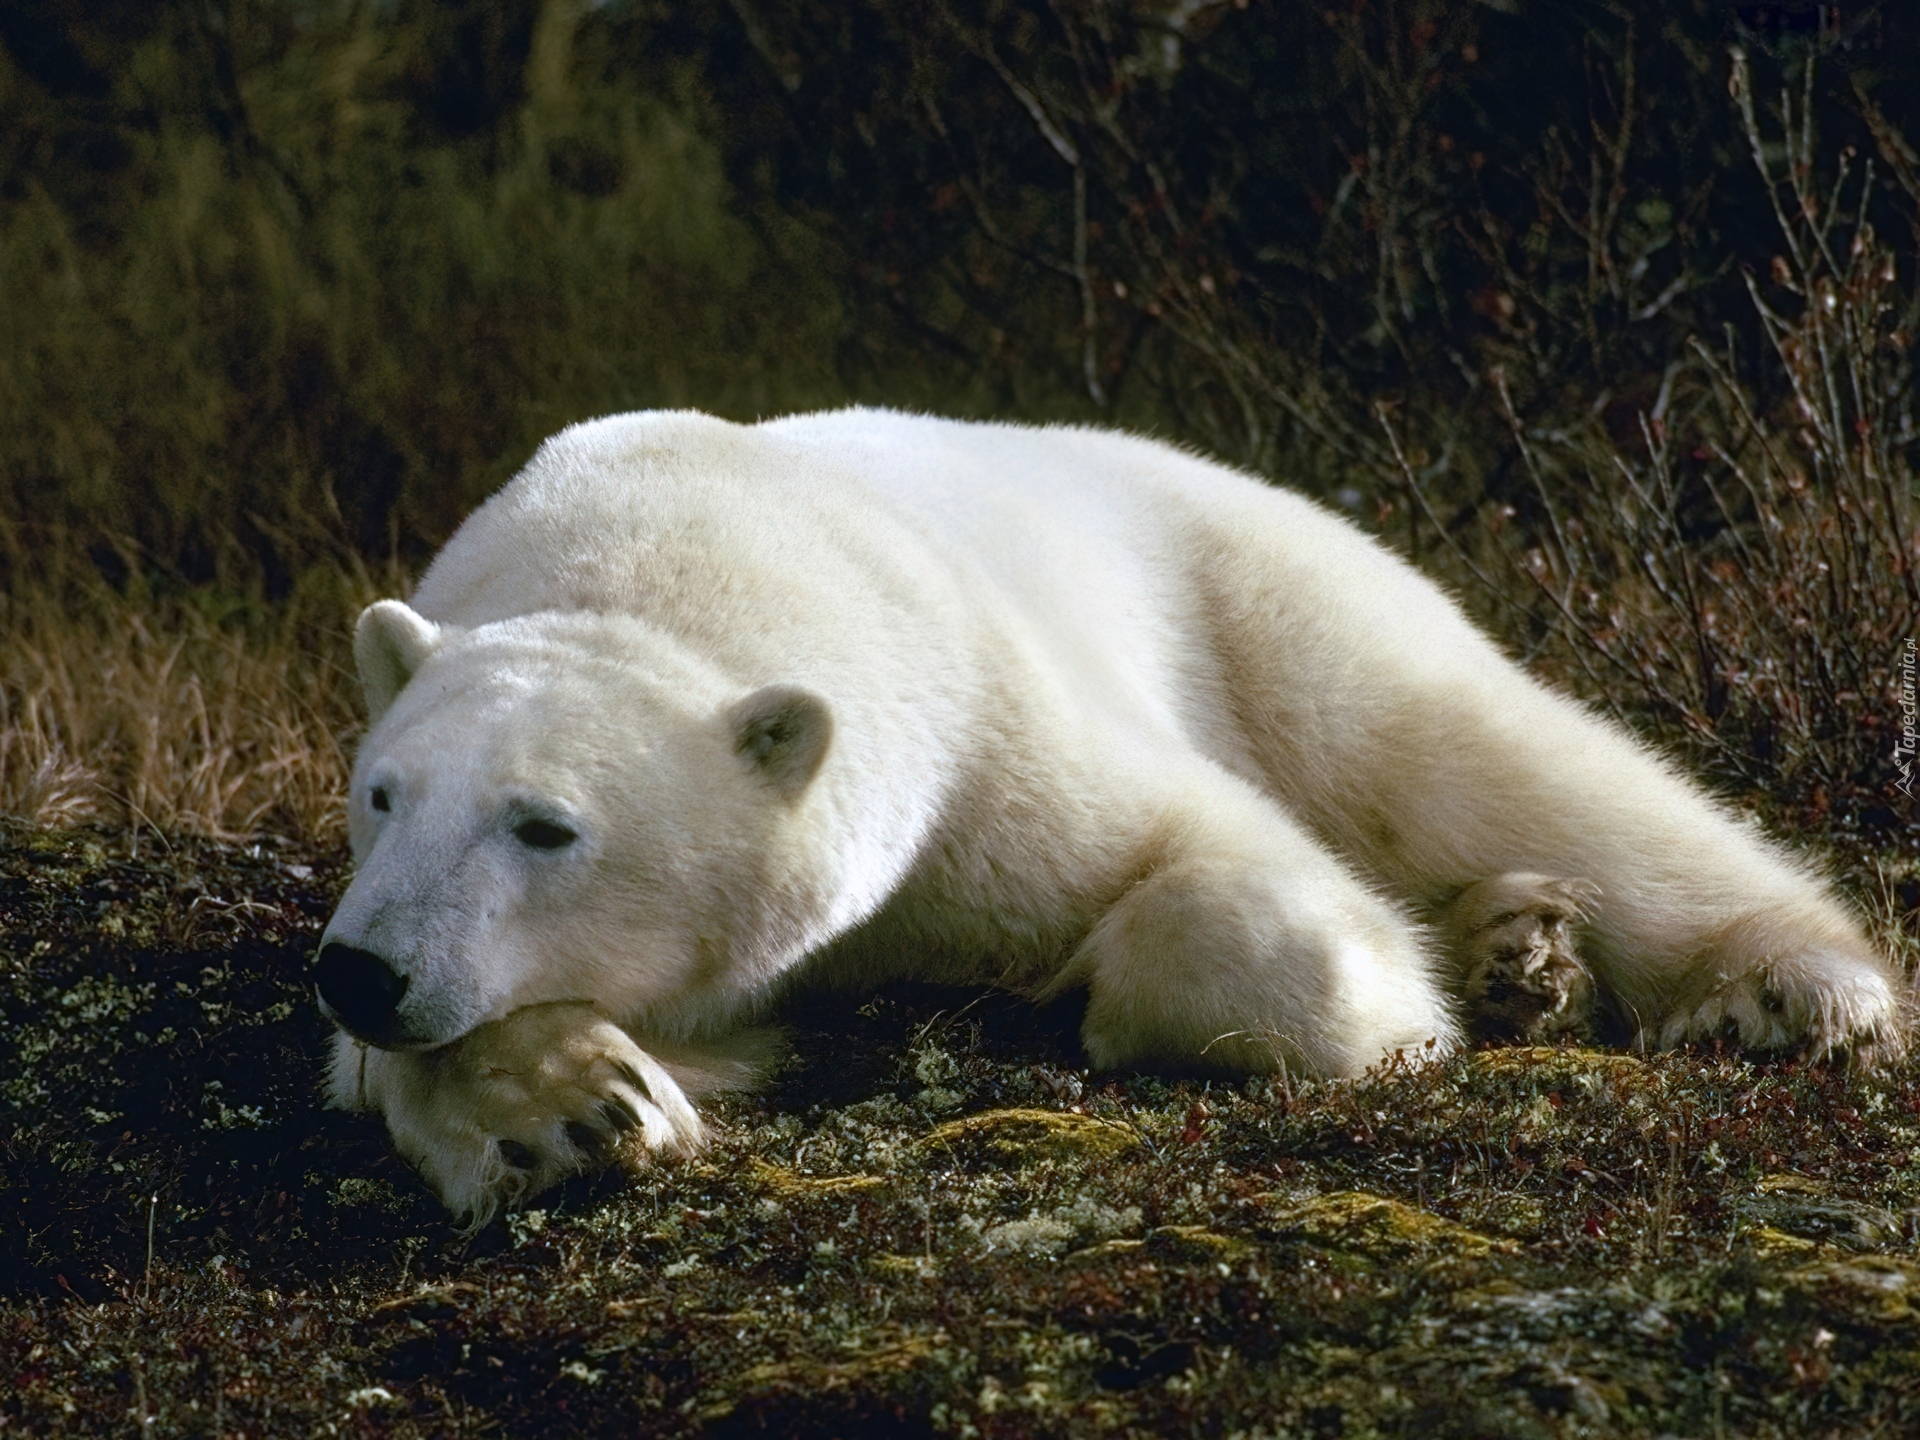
[(362, 990)]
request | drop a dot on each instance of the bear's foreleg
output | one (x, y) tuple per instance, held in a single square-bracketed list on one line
[(1244, 944), (517, 1105)]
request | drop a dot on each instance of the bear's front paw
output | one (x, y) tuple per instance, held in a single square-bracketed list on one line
[(1823, 1004), (1521, 977), (518, 1105)]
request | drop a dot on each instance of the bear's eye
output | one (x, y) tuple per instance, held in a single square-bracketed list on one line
[(379, 799), (543, 834)]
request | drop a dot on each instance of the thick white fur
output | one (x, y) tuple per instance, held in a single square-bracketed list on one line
[(1103, 714)]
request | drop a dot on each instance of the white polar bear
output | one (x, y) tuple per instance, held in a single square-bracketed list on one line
[(688, 704)]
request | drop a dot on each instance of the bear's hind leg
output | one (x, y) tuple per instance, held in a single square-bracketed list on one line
[(1515, 965), (1244, 944)]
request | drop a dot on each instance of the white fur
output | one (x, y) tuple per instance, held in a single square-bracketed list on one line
[(1093, 712)]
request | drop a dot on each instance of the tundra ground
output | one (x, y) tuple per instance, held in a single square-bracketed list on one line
[(935, 1219)]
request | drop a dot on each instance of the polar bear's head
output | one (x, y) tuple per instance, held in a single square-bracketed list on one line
[(566, 806)]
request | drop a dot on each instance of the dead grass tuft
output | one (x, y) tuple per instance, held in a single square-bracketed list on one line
[(182, 712)]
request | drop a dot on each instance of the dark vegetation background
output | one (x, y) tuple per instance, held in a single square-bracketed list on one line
[(1602, 312), (1525, 287)]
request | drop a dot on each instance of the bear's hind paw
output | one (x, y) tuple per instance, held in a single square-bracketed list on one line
[(1825, 1006)]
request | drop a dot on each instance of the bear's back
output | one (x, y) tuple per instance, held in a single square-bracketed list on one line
[(869, 550), (1026, 503)]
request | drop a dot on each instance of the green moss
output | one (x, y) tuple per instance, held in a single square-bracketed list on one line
[(1377, 1227), (790, 1184), (1882, 1288), (1197, 1243), (1024, 1136), (1763, 1242), (815, 1378)]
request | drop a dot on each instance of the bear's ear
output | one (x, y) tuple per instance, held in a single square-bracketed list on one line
[(783, 732), (389, 643)]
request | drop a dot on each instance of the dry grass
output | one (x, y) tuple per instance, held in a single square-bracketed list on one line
[(181, 713)]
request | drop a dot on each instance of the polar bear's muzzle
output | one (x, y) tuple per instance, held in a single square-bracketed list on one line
[(361, 992)]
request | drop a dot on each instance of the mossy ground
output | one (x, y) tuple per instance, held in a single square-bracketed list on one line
[(934, 1221)]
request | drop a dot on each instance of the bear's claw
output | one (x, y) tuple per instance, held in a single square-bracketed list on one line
[(620, 1114), (634, 1078), (518, 1156), (597, 1139)]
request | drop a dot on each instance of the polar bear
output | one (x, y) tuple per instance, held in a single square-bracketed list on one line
[(689, 708)]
